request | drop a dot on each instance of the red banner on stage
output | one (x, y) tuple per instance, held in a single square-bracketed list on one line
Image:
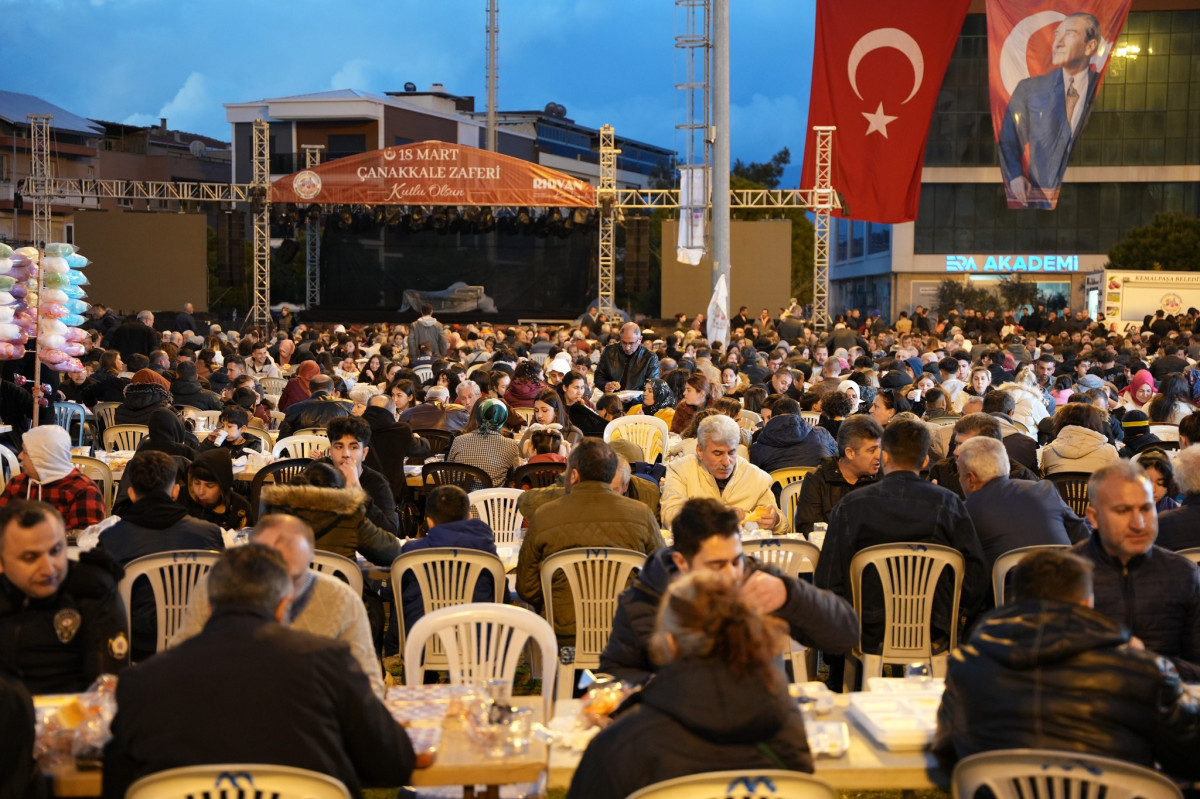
[(1046, 59), (433, 173), (877, 70)]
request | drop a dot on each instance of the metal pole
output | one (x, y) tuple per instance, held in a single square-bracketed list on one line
[(720, 161), (312, 238), (493, 71)]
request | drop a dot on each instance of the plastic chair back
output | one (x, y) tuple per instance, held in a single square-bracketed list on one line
[(525, 413), (124, 436), (1192, 554), (267, 443), (909, 574), (537, 475), (424, 372), (483, 641), (99, 473), (298, 446), (339, 566), (277, 418), (789, 499), (312, 431), (744, 784), (211, 418), (1005, 563), (595, 576), (236, 780), (447, 577), (749, 420), (283, 471), (10, 463), (791, 474), (812, 417), (648, 432), (439, 441), (539, 358), (1072, 486), (1052, 774), (68, 413), (272, 385), (106, 413), (497, 508), (792, 556), (172, 576), (468, 478)]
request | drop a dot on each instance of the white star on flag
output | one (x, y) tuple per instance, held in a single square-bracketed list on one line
[(878, 121)]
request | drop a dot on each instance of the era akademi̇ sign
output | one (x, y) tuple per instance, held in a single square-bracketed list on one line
[(1012, 263)]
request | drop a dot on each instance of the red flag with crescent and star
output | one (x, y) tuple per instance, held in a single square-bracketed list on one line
[(877, 70), (1046, 59)]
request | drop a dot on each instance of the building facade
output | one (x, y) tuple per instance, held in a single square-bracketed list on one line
[(1138, 155)]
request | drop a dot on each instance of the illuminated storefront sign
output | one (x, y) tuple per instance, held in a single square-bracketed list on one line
[(1012, 263)]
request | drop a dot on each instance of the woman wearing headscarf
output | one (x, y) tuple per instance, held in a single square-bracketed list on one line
[(485, 447), (297, 389), (853, 393), (657, 400), (286, 348), (1137, 395)]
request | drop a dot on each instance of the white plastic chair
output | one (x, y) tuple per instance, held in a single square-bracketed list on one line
[(749, 419), (789, 498), (1052, 774), (338, 566), (595, 576), (261, 435), (483, 641), (172, 576), (794, 558), (101, 474), (68, 413), (106, 412), (1005, 563), (298, 446), (10, 463), (497, 508), (539, 358), (909, 574), (277, 418), (211, 419), (1192, 554), (812, 417), (237, 780), (648, 432), (424, 372), (272, 385), (1166, 432), (743, 784), (447, 577), (124, 436)]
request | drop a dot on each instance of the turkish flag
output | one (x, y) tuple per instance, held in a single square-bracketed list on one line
[(877, 71), (1046, 59)]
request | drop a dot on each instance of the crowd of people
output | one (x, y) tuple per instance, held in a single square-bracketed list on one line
[(949, 430)]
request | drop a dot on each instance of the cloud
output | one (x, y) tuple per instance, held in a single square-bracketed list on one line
[(355, 74), (190, 108)]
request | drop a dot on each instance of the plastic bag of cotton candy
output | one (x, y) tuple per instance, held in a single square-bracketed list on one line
[(59, 337), (17, 268)]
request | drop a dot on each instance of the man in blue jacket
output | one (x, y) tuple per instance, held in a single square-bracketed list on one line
[(788, 440), (448, 516)]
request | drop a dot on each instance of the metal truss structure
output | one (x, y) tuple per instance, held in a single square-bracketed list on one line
[(822, 202), (312, 237), (606, 200), (141, 190), (39, 168), (695, 45), (260, 308)]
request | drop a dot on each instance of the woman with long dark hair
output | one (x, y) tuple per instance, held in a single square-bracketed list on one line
[(697, 395), (1170, 405)]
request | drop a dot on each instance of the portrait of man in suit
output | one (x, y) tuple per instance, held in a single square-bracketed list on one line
[(1046, 114)]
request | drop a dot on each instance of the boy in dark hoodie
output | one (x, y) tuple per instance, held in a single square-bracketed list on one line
[(448, 516), (230, 434), (210, 495)]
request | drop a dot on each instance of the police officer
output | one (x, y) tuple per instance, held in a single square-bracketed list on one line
[(62, 623)]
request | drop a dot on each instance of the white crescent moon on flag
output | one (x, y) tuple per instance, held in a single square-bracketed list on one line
[(887, 37), (1013, 65)]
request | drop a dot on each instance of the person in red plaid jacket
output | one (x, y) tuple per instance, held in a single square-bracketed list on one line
[(47, 474)]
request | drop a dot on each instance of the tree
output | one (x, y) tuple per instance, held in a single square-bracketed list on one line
[(1169, 241), (766, 175)]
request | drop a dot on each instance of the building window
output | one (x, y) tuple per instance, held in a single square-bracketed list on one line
[(843, 238), (858, 233)]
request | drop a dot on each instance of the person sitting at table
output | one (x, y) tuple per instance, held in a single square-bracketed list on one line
[(322, 603), (246, 396), (62, 623), (147, 392), (22, 778), (706, 538), (167, 434), (485, 447), (316, 410), (249, 690), (210, 495), (153, 522), (186, 389), (1048, 672), (231, 434), (349, 445), (47, 474), (718, 700), (448, 517)]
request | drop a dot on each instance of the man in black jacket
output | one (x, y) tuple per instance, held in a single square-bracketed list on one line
[(316, 411), (1048, 672), (857, 464), (1151, 590), (706, 537), (255, 692), (626, 364)]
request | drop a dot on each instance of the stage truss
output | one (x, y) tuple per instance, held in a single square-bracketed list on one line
[(610, 200)]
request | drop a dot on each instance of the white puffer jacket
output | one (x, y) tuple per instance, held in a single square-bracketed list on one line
[(1077, 449), (1030, 406)]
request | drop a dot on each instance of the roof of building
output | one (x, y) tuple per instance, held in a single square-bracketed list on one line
[(14, 108)]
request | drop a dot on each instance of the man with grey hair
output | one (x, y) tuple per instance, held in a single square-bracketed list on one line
[(467, 393), (322, 604), (247, 689), (435, 413), (945, 471), (1010, 513), (360, 395), (1152, 591), (716, 471), (1179, 528), (625, 365)]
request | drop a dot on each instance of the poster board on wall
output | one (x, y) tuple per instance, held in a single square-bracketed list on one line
[(144, 261), (761, 273)]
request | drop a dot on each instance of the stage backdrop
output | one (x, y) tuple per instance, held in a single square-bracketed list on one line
[(761, 271), (144, 261)]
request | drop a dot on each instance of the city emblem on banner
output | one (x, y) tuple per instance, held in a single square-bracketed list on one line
[(1046, 60)]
